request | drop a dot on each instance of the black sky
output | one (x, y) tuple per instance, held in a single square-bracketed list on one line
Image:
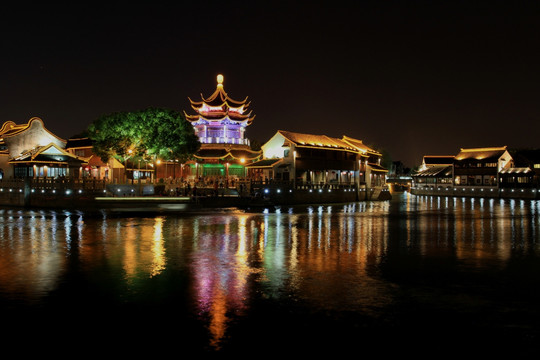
[(408, 77)]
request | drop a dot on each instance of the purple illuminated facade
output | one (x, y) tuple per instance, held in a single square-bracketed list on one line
[(220, 123), (220, 119)]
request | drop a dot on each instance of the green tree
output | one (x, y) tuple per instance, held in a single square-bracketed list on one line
[(149, 134)]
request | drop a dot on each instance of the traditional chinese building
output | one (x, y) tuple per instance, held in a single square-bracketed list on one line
[(479, 172), (220, 123), (481, 166), (435, 171), (342, 167), (31, 151), (527, 168), (95, 168), (436, 160)]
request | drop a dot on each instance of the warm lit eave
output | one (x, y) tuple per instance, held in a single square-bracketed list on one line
[(225, 156), (481, 153), (316, 141), (264, 163), (37, 162), (377, 167), (333, 148), (221, 96), (17, 129), (522, 170)]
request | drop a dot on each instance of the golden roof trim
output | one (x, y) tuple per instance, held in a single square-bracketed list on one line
[(23, 127)]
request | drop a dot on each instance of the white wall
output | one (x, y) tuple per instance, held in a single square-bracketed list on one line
[(36, 135)]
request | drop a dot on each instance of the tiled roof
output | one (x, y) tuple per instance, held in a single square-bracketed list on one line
[(220, 99), (521, 170), (9, 128), (316, 140), (264, 163), (222, 153), (376, 167), (358, 144), (49, 153), (481, 153), (436, 170)]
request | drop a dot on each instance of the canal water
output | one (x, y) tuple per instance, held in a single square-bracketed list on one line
[(418, 275)]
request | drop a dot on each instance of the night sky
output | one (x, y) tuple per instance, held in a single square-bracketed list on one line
[(410, 78)]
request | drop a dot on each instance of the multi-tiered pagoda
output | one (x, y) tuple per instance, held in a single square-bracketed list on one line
[(220, 123)]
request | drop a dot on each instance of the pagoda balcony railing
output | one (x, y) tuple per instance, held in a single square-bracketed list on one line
[(223, 140)]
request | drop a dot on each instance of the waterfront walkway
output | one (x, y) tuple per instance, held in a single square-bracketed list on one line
[(478, 191), (95, 194)]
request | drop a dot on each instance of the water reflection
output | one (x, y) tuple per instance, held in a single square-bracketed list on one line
[(348, 257)]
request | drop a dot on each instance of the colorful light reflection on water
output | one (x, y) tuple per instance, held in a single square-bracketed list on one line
[(381, 261)]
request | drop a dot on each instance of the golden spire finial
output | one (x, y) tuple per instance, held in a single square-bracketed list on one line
[(220, 80)]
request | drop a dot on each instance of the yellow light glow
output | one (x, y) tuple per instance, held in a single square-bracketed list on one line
[(205, 109), (220, 79), (242, 160)]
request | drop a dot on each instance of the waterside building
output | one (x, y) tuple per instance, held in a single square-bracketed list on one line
[(486, 171), (31, 151), (290, 167), (220, 122), (298, 166), (37, 170)]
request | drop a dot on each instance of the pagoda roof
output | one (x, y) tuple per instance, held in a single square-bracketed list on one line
[(221, 116), (219, 97), (217, 106), (487, 153), (224, 153)]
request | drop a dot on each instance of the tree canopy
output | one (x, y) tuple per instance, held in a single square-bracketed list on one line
[(151, 133)]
